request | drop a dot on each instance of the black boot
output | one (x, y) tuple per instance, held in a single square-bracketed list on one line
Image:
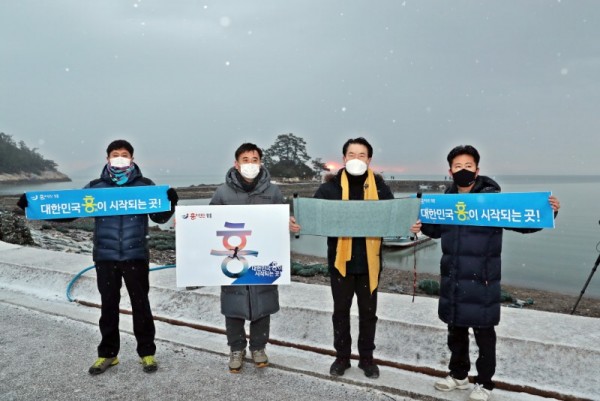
[(369, 367), (339, 366)]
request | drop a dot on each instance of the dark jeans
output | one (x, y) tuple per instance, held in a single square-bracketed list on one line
[(458, 342), (109, 279), (236, 333), (343, 290)]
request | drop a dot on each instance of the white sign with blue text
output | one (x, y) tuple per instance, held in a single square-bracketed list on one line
[(94, 202), (232, 245), (515, 210)]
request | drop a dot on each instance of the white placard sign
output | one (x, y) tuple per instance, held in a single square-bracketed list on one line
[(232, 245)]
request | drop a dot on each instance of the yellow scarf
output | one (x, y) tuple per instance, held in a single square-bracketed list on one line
[(344, 244)]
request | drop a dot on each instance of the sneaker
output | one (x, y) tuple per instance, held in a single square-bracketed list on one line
[(480, 393), (149, 364), (450, 383), (369, 367), (236, 360), (260, 358), (102, 364), (339, 366)]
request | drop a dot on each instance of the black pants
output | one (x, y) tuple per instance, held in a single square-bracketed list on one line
[(109, 279), (236, 333), (343, 290), (458, 342)]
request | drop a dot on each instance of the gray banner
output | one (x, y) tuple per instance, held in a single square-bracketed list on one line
[(337, 218)]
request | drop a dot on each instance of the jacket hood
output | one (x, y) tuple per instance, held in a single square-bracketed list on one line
[(233, 180)]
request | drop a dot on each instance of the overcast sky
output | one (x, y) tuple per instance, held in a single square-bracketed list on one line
[(188, 81)]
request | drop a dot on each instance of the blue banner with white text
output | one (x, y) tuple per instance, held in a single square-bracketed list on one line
[(511, 210), (94, 202)]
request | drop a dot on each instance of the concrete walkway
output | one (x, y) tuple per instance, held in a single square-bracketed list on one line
[(555, 356)]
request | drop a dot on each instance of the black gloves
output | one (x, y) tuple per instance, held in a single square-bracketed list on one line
[(22, 202), (173, 197)]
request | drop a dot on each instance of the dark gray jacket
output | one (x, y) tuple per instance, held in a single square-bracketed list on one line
[(470, 268), (250, 302), (119, 238)]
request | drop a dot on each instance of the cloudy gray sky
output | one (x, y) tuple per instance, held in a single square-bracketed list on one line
[(187, 81)]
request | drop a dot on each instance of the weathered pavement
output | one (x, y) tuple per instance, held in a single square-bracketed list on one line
[(47, 344), (46, 356)]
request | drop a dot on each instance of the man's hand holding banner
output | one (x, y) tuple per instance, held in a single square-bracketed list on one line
[(387, 218), (511, 210)]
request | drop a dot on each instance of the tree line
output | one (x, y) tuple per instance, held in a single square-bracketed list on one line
[(19, 158), (287, 158)]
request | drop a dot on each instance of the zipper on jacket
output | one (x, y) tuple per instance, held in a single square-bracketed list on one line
[(121, 252)]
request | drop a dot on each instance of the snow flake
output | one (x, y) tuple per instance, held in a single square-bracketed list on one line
[(225, 22)]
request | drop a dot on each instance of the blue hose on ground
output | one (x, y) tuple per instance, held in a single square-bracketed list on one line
[(81, 273)]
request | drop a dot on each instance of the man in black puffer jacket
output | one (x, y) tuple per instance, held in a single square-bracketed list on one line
[(121, 254), (470, 280)]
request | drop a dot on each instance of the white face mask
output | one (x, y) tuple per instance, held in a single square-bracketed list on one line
[(120, 162), (249, 170), (356, 167)]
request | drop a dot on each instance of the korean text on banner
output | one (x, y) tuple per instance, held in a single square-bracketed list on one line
[(232, 245), (94, 202), (511, 210)]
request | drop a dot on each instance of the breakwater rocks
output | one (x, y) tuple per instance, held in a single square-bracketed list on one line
[(306, 189), (14, 230)]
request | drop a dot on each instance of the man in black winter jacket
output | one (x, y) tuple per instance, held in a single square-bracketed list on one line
[(470, 280), (121, 254), (354, 263)]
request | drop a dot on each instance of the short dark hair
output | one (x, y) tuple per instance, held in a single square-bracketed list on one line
[(248, 147), (360, 141), (463, 150), (119, 144)]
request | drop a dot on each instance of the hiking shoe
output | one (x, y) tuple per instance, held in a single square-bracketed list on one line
[(102, 364), (260, 358), (369, 367), (236, 360), (339, 366), (149, 364), (450, 383), (480, 393)]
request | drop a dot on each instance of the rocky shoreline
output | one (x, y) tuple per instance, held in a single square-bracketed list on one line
[(77, 237), (33, 178), (308, 188)]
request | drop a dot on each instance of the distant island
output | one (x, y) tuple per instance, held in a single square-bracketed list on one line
[(20, 164)]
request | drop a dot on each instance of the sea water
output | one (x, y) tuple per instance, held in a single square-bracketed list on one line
[(559, 259)]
